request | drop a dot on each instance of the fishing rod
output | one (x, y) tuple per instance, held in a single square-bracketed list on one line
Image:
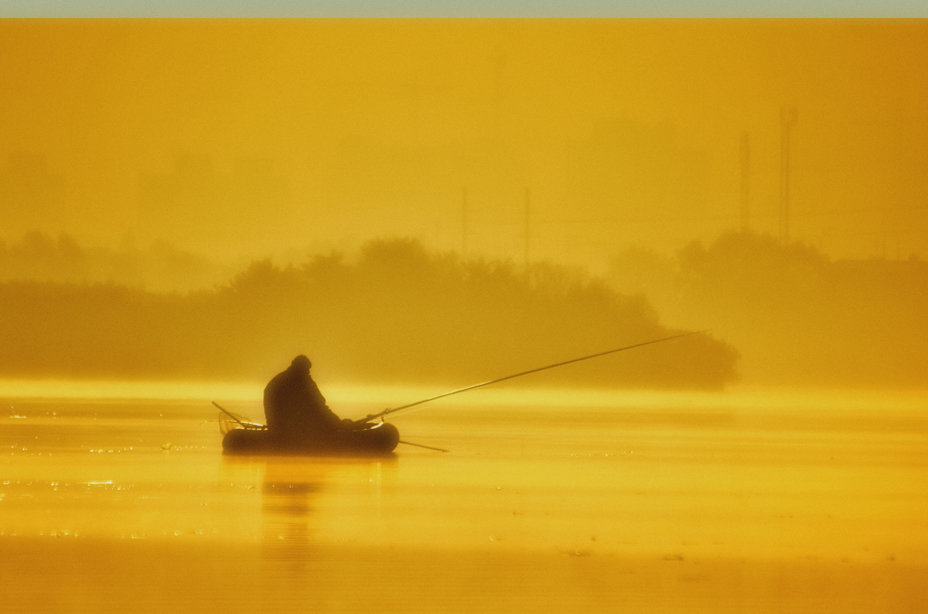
[(386, 412)]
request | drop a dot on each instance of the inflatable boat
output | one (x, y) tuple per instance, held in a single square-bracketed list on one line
[(377, 439)]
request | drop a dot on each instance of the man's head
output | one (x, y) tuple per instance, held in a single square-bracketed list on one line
[(301, 363)]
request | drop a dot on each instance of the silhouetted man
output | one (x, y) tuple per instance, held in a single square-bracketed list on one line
[(294, 407)]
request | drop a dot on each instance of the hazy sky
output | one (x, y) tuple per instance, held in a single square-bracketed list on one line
[(236, 137)]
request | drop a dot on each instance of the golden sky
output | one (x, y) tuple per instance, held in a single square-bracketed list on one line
[(239, 137)]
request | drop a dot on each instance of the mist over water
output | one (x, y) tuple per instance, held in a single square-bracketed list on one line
[(394, 312)]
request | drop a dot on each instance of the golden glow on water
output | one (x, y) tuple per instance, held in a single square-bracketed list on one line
[(519, 396), (720, 498)]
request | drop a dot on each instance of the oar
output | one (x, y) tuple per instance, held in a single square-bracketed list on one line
[(246, 425), (536, 370), (419, 445)]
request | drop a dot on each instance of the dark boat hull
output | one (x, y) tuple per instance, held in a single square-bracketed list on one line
[(378, 440)]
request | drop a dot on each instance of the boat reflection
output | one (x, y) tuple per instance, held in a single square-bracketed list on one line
[(307, 503)]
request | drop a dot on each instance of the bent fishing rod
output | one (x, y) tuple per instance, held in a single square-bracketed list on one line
[(387, 412)]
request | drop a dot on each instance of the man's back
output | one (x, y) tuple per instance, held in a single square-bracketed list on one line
[(293, 404)]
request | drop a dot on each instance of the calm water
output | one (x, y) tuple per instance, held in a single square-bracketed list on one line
[(602, 502)]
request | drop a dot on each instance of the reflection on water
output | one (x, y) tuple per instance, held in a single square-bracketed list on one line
[(286, 509), (673, 503)]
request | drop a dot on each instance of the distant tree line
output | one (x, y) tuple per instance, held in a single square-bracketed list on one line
[(393, 313), (38, 256), (795, 315)]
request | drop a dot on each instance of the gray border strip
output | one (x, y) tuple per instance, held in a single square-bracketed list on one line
[(465, 8)]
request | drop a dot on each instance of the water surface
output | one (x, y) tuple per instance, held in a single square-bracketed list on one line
[(546, 502)]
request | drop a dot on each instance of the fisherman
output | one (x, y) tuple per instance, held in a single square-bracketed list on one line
[(296, 409)]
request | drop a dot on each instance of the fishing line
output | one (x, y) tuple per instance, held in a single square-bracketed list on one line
[(387, 412)]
